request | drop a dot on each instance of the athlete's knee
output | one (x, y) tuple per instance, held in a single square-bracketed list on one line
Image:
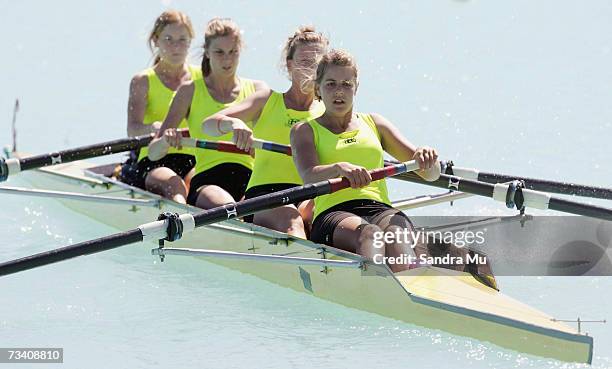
[(173, 185), (295, 226), (394, 218), (175, 181), (397, 234), (289, 220), (369, 233), (392, 228), (212, 196)]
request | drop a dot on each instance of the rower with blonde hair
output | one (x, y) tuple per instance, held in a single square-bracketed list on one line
[(220, 177), (273, 114), (151, 92), (342, 143)]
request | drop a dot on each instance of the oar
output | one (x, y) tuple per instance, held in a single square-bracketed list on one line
[(171, 226), (565, 188), (223, 146), (15, 165), (226, 146), (504, 192), (231, 147), (513, 195), (272, 146)]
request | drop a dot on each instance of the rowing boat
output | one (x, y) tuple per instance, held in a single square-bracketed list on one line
[(428, 296)]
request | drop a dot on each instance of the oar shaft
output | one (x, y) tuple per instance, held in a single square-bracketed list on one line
[(292, 195), (15, 165), (253, 205), (212, 145), (72, 251), (545, 185), (573, 207), (231, 147), (85, 152), (499, 192), (272, 146)]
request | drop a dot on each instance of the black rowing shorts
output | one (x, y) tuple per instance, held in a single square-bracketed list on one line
[(231, 177), (371, 211), (135, 174)]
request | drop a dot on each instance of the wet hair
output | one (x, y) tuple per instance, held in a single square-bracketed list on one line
[(340, 58), (166, 18), (305, 35), (218, 27)]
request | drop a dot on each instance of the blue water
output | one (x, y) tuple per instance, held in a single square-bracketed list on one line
[(519, 87)]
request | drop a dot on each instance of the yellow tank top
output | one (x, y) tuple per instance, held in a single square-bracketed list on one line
[(159, 98), (360, 147), (274, 124), (203, 106)]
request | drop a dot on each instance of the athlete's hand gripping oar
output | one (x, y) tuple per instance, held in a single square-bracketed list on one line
[(172, 226), (429, 174), (15, 165), (159, 148), (155, 153), (531, 183), (513, 195)]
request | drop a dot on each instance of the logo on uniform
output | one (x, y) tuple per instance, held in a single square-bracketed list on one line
[(350, 140), (292, 121)]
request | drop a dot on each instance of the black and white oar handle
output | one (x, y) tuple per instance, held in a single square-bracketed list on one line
[(15, 165), (171, 226), (513, 195), (546, 185)]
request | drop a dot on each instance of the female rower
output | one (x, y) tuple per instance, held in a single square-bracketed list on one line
[(273, 114), (342, 143), (151, 92), (220, 177)]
